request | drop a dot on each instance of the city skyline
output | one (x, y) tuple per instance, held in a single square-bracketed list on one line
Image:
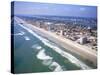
[(34, 8)]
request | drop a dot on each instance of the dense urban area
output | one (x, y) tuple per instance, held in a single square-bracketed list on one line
[(78, 29)]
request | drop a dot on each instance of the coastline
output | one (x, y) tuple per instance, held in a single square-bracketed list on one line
[(72, 46)]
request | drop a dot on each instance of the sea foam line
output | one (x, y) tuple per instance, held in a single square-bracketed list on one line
[(70, 57)]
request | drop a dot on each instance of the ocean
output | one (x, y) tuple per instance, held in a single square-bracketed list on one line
[(34, 53)]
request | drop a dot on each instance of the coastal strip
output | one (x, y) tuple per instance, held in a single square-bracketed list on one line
[(85, 52)]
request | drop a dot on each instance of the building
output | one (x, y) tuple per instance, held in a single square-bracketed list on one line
[(83, 40)]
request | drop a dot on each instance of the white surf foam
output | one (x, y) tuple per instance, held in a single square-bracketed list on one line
[(38, 47), (55, 67), (42, 55), (70, 57), (26, 38), (47, 62), (20, 33), (35, 45)]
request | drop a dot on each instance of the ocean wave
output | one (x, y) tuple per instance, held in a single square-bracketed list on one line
[(36, 46), (20, 33), (26, 38), (42, 55), (47, 62), (55, 67)]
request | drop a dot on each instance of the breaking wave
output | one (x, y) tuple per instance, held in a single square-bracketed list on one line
[(20, 33), (41, 55), (26, 38)]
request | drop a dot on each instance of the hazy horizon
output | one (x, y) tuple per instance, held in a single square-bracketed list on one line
[(51, 9)]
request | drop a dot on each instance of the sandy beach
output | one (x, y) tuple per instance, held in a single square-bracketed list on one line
[(72, 46)]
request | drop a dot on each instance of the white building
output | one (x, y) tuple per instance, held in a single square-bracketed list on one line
[(83, 40)]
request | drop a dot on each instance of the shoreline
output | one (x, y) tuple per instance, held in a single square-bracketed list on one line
[(72, 46)]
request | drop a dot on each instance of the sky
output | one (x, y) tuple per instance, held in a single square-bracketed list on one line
[(34, 8)]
